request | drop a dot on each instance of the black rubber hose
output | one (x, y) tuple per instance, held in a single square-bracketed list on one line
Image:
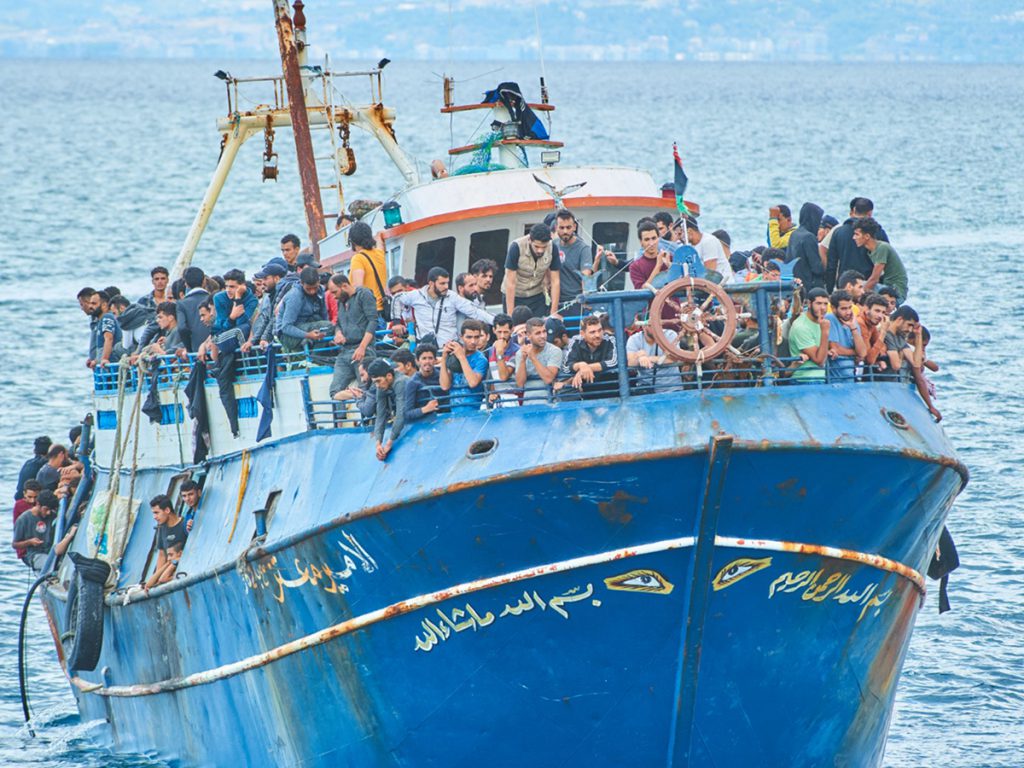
[(22, 666), (84, 488)]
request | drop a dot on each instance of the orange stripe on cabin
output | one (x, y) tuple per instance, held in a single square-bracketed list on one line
[(526, 207), (608, 201)]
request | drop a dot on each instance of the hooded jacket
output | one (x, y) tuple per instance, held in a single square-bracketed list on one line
[(133, 321), (803, 248)]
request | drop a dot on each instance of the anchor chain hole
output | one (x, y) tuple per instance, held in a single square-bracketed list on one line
[(480, 448)]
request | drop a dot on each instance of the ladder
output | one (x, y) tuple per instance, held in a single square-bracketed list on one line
[(337, 152)]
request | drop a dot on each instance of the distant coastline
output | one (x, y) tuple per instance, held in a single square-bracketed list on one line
[(882, 31)]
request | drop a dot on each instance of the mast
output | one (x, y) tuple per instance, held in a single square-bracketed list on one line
[(300, 121)]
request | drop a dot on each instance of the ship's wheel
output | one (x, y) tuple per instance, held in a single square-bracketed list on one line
[(689, 306)]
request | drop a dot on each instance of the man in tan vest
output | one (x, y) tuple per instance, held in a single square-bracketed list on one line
[(528, 266)]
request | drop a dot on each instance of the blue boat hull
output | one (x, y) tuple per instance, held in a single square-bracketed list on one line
[(601, 590)]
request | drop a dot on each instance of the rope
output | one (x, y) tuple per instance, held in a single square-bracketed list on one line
[(116, 453), (178, 376), (242, 483)]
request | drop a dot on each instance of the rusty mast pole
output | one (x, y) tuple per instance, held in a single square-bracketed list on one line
[(300, 120)]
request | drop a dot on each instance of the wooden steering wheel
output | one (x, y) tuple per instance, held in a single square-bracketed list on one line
[(677, 307)]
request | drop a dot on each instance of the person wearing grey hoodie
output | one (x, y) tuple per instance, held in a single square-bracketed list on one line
[(802, 250)]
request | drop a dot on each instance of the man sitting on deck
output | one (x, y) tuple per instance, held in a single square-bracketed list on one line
[(33, 532), (302, 315), (170, 531), (808, 337), (235, 305)]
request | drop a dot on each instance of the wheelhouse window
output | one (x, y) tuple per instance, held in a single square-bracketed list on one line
[(614, 236), (434, 253), (492, 244)]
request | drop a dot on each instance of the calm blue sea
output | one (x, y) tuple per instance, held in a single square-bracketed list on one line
[(102, 164)]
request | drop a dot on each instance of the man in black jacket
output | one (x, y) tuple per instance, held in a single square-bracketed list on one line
[(843, 253), (191, 328), (803, 248)]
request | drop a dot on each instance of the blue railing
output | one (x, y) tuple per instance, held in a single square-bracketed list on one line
[(731, 370)]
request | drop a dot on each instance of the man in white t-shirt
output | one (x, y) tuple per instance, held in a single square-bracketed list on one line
[(710, 250), (654, 375)]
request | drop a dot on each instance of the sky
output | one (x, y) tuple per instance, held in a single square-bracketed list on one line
[(598, 30)]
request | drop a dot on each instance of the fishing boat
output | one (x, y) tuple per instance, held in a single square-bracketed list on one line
[(726, 573)]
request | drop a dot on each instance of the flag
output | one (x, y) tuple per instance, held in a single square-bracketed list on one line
[(679, 181), (265, 396)]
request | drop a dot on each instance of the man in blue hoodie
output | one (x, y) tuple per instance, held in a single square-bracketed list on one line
[(235, 305), (802, 250)]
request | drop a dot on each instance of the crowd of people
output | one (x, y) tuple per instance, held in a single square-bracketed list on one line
[(404, 353), (851, 319), (52, 475), (49, 476)]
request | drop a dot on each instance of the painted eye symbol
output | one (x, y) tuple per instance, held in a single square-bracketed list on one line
[(648, 581), (737, 570)]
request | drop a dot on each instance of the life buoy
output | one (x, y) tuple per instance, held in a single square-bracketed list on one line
[(83, 618)]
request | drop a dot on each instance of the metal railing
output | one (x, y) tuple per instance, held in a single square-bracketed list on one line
[(735, 369)]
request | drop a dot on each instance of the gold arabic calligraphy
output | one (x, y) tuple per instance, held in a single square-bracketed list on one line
[(832, 587), (268, 574), (459, 620)]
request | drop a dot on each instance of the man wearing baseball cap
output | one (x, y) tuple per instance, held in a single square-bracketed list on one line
[(262, 333)]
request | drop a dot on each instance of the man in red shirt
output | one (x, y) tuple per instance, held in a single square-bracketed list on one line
[(652, 261), (30, 494)]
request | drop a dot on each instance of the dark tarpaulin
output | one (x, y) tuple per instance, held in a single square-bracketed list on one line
[(151, 407), (224, 372), (943, 563), (195, 392), (265, 397), (530, 126)]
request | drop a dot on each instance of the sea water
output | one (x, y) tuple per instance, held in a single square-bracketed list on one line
[(103, 163)]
